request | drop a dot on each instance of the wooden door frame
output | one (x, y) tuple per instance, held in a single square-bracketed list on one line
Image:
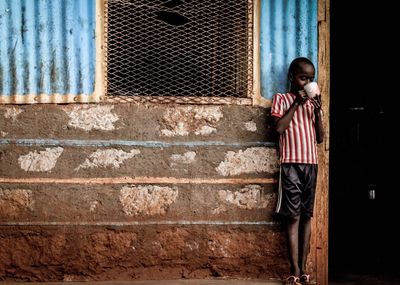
[(319, 239)]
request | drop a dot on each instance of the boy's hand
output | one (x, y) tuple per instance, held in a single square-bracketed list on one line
[(301, 97), (316, 101)]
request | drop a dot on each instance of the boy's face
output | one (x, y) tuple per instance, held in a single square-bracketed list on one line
[(303, 74)]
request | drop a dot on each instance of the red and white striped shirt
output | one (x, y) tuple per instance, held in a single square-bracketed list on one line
[(298, 142)]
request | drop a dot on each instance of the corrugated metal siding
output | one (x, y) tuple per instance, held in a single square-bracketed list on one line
[(288, 30), (47, 51)]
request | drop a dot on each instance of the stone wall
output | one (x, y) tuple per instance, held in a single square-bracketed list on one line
[(127, 191)]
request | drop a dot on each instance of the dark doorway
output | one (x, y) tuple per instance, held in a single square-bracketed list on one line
[(364, 208)]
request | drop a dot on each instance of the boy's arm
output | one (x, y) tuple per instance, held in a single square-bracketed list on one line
[(319, 126), (281, 123)]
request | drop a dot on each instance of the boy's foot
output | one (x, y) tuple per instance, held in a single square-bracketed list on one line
[(305, 279), (292, 280)]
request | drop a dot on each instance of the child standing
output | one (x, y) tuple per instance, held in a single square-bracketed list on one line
[(298, 120)]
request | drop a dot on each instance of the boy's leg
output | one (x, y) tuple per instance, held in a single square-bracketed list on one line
[(304, 242), (293, 244), (308, 198)]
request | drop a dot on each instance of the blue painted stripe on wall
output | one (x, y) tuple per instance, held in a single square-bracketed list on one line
[(47, 47), (289, 29), (108, 143)]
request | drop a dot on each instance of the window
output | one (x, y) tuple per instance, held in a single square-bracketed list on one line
[(183, 48)]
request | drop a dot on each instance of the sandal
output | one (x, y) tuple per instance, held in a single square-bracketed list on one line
[(292, 280), (305, 279)]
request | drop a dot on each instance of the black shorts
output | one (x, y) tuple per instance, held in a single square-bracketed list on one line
[(297, 185)]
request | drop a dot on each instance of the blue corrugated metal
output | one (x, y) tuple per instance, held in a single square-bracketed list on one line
[(288, 30), (47, 47)]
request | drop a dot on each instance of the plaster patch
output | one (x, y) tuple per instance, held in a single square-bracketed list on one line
[(198, 120), (252, 160), (15, 200), (43, 161), (251, 126), (12, 113), (92, 118), (147, 200), (107, 157), (247, 198), (186, 158), (205, 130)]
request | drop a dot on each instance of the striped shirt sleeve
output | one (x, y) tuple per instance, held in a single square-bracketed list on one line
[(277, 106)]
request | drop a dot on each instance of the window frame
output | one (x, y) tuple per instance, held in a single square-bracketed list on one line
[(253, 60)]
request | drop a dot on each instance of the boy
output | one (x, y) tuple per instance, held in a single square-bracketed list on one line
[(298, 120)]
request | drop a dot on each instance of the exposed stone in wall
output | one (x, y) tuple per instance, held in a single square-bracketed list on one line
[(107, 157), (40, 162), (248, 198), (147, 200), (92, 118), (14, 201), (186, 158), (198, 120), (252, 160), (251, 126), (93, 205), (77, 203), (12, 113)]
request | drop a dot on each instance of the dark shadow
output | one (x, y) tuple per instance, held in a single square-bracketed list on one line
[(363, 206)]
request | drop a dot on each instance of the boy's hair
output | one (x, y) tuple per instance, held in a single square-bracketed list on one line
[(295, 64)]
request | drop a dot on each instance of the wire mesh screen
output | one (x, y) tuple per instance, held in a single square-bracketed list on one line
[(178, 47)]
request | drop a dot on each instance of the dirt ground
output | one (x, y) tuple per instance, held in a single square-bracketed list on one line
[(346, 279)]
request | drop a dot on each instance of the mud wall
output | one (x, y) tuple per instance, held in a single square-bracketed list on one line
[(128, 191)]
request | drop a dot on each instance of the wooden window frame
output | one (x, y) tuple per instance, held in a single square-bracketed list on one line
[(101, 68)]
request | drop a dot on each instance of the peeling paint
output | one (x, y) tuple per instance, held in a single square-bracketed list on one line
[(147, 200), (252, 160), (109, 157), (42, 161), (12, 113), (3, 134), (14, 201), (251, 126), (183, 121), (92, 118), (186, 158)]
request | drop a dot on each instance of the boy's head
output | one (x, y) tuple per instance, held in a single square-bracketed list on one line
[(301, 71)]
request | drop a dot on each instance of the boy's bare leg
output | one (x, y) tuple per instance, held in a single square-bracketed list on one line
[(304, 242), (293, 242)]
